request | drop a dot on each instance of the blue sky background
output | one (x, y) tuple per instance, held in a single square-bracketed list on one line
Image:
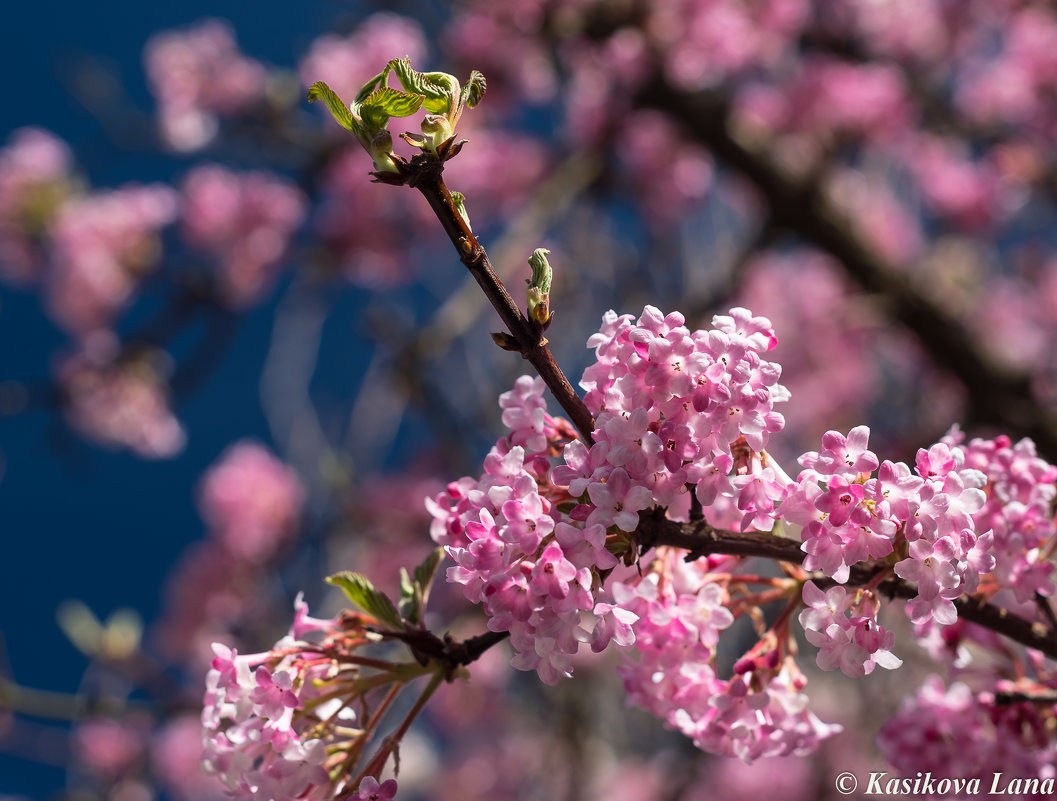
[(78, 522)]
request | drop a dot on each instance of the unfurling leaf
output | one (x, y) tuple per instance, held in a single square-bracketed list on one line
[(474, 90), (385, 102), (425, 572), (320, 91)]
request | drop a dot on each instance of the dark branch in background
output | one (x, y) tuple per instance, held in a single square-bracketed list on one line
[(997, 395)]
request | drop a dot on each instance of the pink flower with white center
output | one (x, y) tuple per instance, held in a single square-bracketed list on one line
[(617, 501), (243, 221), (758, 493), (632, 445), (581, 466), (552, 573), (856, 644), (585, 547), (837, 649), (197, 74), (251, 500), (839, 500), (840, 455), (712, 479), (614, 624), (35, 182), (101, 245), (822, 608)]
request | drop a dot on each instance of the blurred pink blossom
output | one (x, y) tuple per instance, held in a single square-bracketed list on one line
[(245, 222), (361, 225), (345, 63), (669, 174), (196, 74), (109, 747), (176, 757), (251, 500), (100, 245), (120, 403), (34, 183), (500, 40)]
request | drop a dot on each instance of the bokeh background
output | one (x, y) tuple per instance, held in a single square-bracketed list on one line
[(878, 178)]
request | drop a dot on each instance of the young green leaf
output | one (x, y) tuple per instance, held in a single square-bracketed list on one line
[(425, 572), (384, 103), (361, 592), (474, 90), (438, 89), (320, 91)]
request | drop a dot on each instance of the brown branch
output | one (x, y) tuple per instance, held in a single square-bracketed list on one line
[(425, 174), (700, 539)]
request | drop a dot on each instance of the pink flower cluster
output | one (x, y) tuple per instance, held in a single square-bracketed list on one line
[(197, 74), (274, 722), (855, 644), (956, 732), (251, 500), (101, 245), (534, 572), (674, 408), (1018, 511), (34, 182), (245, 222), (848, 516), (120, 402)]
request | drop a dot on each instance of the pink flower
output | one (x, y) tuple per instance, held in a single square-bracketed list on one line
[(197, 74), (245, 222), (251, 500), (371, 790), (101, 245), (121, 404), (618, 502), (346, 63), (34, 184)]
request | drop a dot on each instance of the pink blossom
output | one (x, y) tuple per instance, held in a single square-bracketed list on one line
[(120, 403), (35, 181), (346, 63), (244, 222), (618, 502), (100, 245), (371, 790), (251, 500), (197, 74)]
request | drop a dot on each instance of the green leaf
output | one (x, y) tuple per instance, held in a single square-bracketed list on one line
[(361, 592), (474, 90), (370, 86), (438, 89), (320, 91), (407, 589), (414, 81), (425, 572), (460, 206), (385, 102)]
